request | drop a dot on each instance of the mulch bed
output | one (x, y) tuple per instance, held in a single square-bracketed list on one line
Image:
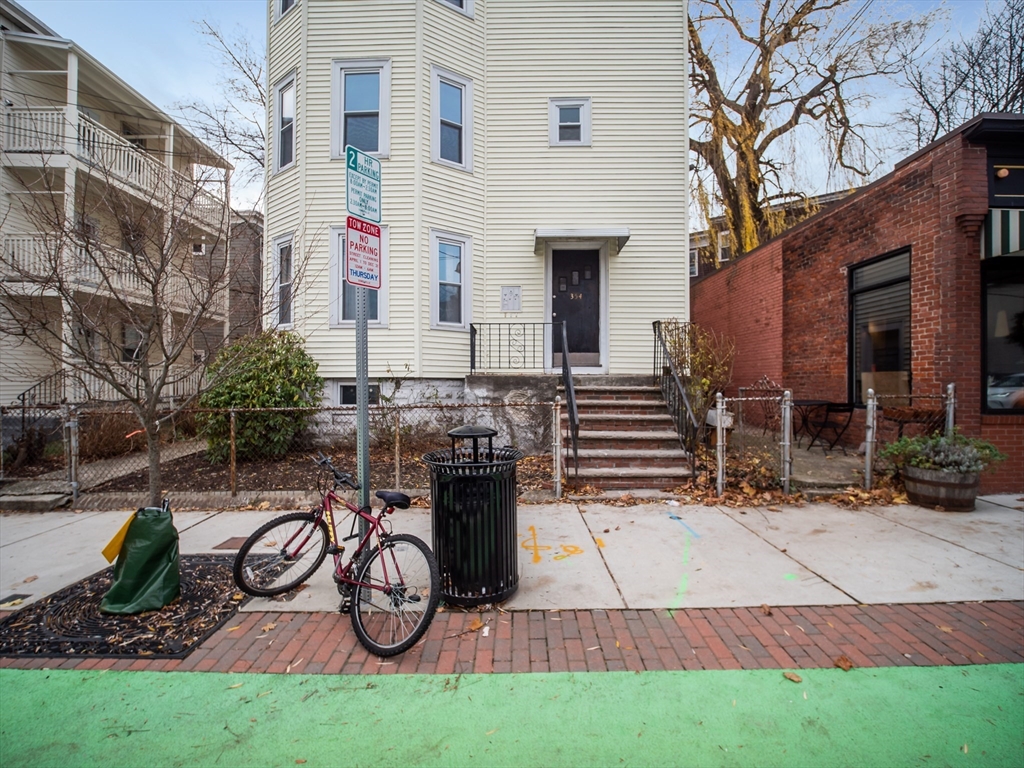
[(69, 623), (298, 472)]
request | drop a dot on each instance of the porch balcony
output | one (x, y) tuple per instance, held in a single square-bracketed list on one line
[(34, 136), (108, 271)]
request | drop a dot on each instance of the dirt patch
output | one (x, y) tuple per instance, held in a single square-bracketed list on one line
[(297, 472)]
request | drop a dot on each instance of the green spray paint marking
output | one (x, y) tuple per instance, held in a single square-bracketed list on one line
[(789, 576), (678, 602)]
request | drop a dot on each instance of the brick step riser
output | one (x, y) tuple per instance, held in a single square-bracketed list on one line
[(620, 409), (629, 444), (636, 397), (625, 483), (639, 424), (590, 462)]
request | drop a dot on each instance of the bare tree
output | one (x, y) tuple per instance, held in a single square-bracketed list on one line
[(235, 123), (761, 70), (968, 76), (114, 296)]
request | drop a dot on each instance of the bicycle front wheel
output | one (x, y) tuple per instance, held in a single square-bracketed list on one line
[(281, 554), (391, 618)]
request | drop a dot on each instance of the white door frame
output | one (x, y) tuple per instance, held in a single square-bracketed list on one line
[(601, 246)]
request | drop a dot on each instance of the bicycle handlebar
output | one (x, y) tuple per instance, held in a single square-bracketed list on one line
[(340, 478)]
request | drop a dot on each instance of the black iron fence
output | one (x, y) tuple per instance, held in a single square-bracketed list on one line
[(670, 379), (510, 346)]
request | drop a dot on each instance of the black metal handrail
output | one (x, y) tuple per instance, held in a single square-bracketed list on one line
[(570, 403), (507, 346), (667, 377)]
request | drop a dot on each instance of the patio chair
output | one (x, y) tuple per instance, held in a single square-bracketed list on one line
[(830, 426)]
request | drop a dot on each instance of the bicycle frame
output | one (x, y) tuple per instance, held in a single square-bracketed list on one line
[(343, 572)]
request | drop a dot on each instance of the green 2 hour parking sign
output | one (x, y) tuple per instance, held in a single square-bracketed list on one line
[(362, 184)]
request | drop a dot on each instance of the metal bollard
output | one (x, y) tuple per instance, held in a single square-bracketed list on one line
[(869, 439), (787, 439), (556, 431)]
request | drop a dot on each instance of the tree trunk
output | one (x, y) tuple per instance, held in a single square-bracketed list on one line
[(153, 451)]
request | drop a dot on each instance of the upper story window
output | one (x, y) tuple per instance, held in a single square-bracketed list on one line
[(724, 246), (463, 6), (880, 327), (362, 106), (132, 344), (694, 261), (452, 121), (451, 259), (282, 7), (284, 125), (285, 279), (569, 122)]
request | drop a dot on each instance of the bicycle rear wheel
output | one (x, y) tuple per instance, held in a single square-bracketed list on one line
[(388, 623), (281, 554)]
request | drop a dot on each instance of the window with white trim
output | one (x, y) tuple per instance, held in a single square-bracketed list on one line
[(361, 113), (284, 123), (569, 122), (694, 261), (462, 6), (452, 119), (343, 294), (285, 279), (451, 257), (724, 246), (281, 7)]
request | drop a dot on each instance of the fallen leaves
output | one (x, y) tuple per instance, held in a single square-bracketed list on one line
[(268, 626), (793, 676), (766, 610), (844, 663)]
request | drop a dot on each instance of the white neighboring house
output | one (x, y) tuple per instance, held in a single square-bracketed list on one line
[(78, 140), (534, 170)]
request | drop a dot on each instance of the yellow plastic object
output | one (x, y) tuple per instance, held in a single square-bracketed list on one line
[(114, 545)]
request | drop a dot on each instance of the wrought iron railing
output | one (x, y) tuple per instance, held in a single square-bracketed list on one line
[(570, 401), (508, 346), (670, 380)]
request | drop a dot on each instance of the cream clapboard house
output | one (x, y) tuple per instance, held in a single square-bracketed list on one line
[(95, 179), (534, 170)]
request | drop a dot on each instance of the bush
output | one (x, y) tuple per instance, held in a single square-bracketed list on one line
[(271, 370), (953, 453)]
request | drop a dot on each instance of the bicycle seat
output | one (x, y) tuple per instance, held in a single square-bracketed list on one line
[(394, 499)]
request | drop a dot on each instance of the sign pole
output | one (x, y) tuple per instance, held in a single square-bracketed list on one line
[(362, 399)]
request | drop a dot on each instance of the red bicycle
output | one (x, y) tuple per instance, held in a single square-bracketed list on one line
[(392, 589)]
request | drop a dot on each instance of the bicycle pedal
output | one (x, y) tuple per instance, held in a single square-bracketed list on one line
[(334, 549)]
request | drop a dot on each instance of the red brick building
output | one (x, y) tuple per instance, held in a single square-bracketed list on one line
[(913, 282)]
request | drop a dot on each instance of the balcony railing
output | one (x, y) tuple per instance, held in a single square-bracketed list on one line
[(28, 258), (43, 130)]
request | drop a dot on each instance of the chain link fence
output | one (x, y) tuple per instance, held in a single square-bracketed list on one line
[(103, 450)]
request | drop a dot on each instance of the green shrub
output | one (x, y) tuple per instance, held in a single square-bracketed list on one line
[(271, 370), (953, 453)]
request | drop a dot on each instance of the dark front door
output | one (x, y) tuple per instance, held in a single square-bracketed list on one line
[(576, 300)]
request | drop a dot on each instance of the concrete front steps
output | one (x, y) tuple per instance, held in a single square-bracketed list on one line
[(627, 440)]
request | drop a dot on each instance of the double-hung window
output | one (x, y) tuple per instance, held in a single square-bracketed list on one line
[(569, 122), (451, 259), (285, 279), (880, 327), (284, 125), (361, 115), (132, 344), (463, 6), (452, 121), (343, 294)]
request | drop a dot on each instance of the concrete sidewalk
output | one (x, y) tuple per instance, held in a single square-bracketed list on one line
[(652, 556)]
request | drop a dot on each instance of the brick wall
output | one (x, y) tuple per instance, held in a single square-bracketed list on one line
[(755, 323), (934, 205)]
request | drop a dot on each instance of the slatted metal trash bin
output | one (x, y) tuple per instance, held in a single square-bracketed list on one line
[(473, 494)]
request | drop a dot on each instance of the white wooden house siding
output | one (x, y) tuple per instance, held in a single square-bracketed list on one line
[(627, 58)]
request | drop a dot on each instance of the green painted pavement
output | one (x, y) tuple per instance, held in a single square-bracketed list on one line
[(935, 716)]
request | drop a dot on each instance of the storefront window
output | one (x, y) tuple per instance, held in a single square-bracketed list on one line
[(880, 327), (1003, 313)]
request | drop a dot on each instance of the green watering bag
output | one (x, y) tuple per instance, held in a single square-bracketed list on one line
[(146, 574)]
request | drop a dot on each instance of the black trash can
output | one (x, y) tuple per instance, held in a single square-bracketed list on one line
[(473, 490)]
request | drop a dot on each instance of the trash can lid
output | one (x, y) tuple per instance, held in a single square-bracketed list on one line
[(470, 430)]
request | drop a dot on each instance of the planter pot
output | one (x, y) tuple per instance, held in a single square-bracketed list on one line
[(934, 488)]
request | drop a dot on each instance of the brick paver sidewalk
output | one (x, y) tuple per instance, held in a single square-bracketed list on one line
[(600, 640)]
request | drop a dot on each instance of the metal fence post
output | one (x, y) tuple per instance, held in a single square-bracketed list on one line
[(787, 439), (556, 431), (720, 436), (950, 408), (869, 439), (234, 478), (71, 431), (398, 449)]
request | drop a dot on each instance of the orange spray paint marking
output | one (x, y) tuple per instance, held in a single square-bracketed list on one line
[(599, 542), (568, 550), (531, 544)]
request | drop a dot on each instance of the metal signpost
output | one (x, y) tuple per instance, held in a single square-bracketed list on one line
[(362, 270)]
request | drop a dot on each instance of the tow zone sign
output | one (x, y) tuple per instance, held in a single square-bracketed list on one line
[(362, 253)]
